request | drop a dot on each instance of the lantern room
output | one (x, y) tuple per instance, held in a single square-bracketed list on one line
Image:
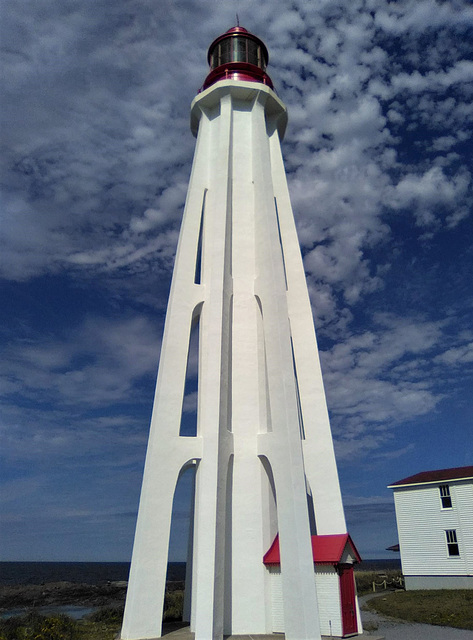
[(237, 55)]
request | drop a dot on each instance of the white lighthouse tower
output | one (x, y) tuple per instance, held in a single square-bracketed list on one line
[(267, 498)]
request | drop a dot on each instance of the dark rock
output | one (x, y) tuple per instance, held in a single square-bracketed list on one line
[(62, 593)]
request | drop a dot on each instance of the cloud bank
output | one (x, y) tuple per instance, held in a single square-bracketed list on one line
[(97, 156)]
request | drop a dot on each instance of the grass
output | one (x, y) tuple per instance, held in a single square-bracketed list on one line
[(34, 626), (103, 624), (173, 605), (447, 607), (451, 608)]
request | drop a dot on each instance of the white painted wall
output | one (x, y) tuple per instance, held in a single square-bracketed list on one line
[(422, 523), (462, 499), (255, 320), (328, 600)]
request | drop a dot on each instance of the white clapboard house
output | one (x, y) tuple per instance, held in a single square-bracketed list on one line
[(434, 512), (334, 557)]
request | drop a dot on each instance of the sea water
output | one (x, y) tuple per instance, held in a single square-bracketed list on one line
[(99, 572), (17, 573), (74, 612), (80, 572)]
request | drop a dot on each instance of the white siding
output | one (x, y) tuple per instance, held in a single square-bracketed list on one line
[(422, 523), (276, 600), (327, 582), (462, 497), (328, 598)]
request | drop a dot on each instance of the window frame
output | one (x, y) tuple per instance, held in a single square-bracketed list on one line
[(451, 539), (445, 496)]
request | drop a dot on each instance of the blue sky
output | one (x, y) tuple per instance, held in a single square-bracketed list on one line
[(97, 156)]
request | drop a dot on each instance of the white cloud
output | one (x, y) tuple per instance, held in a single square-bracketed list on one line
[(151, 218), (456, 356), (97, 153), (99, 363), (429, 191), (379, 379), (96, 164), (415, 82), (444, 143), (190, 403), (418, 16)]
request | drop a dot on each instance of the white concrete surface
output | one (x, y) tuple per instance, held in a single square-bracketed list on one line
[(263, 433)]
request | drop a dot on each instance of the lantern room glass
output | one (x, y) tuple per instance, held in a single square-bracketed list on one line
[(237, 49)]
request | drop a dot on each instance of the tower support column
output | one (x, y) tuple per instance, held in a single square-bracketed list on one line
[(262, 450)]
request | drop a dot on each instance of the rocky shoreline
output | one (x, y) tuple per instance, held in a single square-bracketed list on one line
[(110, 594), (107, 594)]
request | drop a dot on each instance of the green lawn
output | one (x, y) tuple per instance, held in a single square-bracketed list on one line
[(447, 607), (103, 624)]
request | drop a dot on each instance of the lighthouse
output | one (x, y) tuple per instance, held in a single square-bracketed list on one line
[(268, 546)]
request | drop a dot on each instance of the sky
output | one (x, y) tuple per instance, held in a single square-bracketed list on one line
[(96, 159)]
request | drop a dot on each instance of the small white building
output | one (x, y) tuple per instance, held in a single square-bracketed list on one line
[(434, 512), (334, 557)]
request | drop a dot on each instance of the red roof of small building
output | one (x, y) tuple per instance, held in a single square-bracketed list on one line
[(441, 475), (325, 549)]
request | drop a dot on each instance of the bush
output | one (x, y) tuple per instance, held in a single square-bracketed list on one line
[(107, 615), (173, 605), (34, 626)]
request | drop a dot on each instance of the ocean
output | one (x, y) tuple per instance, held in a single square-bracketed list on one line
[(98, 572), (80, 572)]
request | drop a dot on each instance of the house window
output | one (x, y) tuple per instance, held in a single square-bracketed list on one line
[(452, 542), (445, 496)]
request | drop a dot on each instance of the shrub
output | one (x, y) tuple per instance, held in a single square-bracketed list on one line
[(107, 615), (34, 626), (173, 605)]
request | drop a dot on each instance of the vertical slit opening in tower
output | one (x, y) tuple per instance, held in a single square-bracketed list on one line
[(198, 257), (280, 240), (265, 423), (310, 506), (298, 397), (179, 569), (188, 426)]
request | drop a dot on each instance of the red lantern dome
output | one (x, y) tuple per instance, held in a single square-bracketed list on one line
[(237, 55)]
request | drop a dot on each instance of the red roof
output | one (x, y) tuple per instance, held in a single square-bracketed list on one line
[(442, 475), (325, 549)]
